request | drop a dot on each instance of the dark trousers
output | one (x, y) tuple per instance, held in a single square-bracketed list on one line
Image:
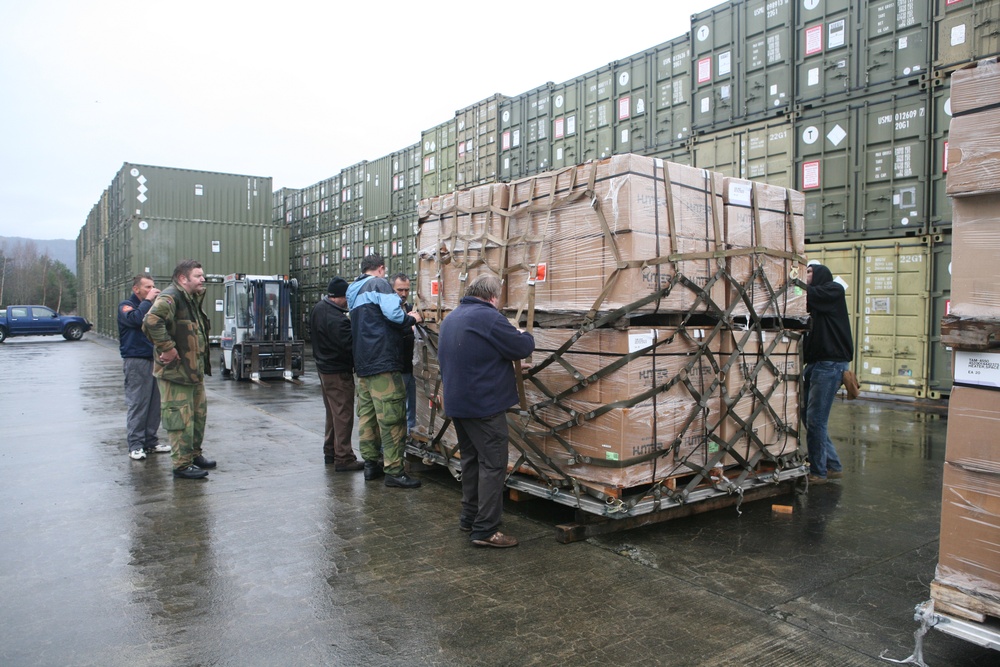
[(483, 444), (338, 399)]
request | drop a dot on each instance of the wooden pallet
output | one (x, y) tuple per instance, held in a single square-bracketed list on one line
[(950, 600), (968, 333)]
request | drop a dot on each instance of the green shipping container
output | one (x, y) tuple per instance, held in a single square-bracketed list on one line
[(511, 138), (438, 149), (537, 136), (940, 367), (598, 132), (825, 52), (672, 82), (567, 123), (714, 56), (633, 93), (378, 188), (767, 42), (760, 151), (965, 31), (824, 171), (405, 180), (895, 44), (940, 203)]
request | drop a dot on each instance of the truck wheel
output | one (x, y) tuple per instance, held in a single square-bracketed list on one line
[(3, 334), (222, 364), (237, 366), (73, 332)]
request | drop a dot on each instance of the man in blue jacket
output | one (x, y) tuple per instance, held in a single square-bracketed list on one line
[(377, 325), (142, 397), (476, 351)]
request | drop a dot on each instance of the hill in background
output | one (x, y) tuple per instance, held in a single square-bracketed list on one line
[(62, 250)]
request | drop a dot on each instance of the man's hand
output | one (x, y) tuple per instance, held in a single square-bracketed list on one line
[(416, 315), (153, 293), (169, 357)]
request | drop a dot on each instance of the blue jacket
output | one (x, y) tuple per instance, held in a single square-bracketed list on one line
[(377, 324), (475, 350), (131, 341)]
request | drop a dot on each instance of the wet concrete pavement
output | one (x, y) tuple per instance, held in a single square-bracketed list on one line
[(277, 560)]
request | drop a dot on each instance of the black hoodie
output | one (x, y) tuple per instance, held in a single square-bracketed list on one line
[(830, 337)]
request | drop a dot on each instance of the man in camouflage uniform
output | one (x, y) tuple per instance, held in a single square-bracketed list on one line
[(178, 329), (377, 324)]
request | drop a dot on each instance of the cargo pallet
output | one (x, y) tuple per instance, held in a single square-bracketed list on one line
[(599, 517), (985, 634)]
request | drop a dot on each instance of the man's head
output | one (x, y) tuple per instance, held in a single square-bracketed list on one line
[(486, 287), (337, 291), (141, 284), (401, 283), (190, 276), (373, 265)]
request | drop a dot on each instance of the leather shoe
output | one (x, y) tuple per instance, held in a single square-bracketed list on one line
[(834, 474), (816, 479), (190, 472), (373, 470), (202, 462), (350, 467), (497, 540), (402, 481)]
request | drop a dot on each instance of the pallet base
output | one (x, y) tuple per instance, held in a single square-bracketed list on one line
[(950, 600)]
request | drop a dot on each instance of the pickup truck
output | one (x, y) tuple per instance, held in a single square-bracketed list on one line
[(40, 321)]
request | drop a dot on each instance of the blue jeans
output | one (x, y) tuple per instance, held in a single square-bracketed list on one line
[(820, 382), (411, 401)]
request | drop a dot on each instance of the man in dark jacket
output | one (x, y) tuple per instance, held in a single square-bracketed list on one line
[(829, 348), (476, 351), (178, 328), (401, 285), (330, 329), (142, 396), (377, 324)]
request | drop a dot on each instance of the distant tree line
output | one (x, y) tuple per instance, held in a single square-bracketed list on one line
[(27, 277)]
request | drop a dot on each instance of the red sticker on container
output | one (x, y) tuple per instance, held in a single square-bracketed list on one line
[(624, 108), (705, 69), (814, 39), (810, 175), (560, 128)]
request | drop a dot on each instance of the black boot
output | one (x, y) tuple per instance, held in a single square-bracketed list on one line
[(373, 470)]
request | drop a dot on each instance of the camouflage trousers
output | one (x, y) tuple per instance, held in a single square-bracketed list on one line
[(382, 420), (184, 411)]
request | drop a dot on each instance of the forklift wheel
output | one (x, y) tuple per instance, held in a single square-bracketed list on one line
[(237, 366), (222, 364)]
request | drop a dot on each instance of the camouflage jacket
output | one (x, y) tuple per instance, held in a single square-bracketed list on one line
[(176, 320)]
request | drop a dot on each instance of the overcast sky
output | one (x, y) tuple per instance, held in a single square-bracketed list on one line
[(295, 90)]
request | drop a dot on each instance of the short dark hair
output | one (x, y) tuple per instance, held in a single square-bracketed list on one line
[(485, 286), (372, 262), (185, 268), (398, 276), (139, 278)]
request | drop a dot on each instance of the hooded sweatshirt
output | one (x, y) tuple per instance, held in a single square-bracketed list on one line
[(830, 337)]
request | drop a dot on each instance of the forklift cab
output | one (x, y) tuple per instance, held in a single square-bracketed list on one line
[(257, 337)]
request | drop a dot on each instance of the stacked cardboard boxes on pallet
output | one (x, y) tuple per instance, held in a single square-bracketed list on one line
[(967, 580), (666, 315)]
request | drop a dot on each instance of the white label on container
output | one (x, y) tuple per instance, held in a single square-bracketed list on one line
[(571, 125), (810, 135), (639, 341), (958, 35), (811, 4), (143, 225), (559, 153), (814, 39), (725, 92), (774, 89), (837, 34), (216, 246), (740, 192), (706, 104), (810, 175), (623, 79), (703, 33), (836, 135), (875, 370), (218, 305), (812, 77), (704, 70), (902, 43), (982, 368), (559, 101), (725, 63)]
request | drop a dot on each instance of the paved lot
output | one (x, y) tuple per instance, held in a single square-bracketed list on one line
[(277, 560)]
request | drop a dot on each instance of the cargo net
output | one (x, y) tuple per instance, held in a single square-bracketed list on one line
[(667, 314)]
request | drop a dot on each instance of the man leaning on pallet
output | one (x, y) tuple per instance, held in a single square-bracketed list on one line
[(377, 324), (476, 351)]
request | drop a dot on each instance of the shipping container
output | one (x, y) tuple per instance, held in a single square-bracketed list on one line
[(598, 132), (353, 180), (378, 188), (438, 151), (767, 58), (940, 371), (184, 194), (633, 93), (965, 31), (672, 81), (537, 138), (405, 180), (895, 44), (825, 142), (760, 151), (940, 204), (714, 54), (511, 164), (567, 123), (826, 48), (477, 142)]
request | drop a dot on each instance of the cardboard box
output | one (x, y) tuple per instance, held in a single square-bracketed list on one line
[(970, 501), (764, 216), (760, 394), (974, 134), (594, 226), (975, 279), (461, 235)]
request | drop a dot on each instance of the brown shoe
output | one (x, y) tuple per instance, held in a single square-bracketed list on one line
[(816, 479), (834, 474), (498, 540), (350, 467)]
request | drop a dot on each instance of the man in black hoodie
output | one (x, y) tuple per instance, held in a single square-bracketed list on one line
[(829, 348)]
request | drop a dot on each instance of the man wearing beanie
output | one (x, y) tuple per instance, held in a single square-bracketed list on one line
[(330, 330)]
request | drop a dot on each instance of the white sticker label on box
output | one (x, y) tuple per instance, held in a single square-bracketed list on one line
[(640, 341), (981, 368), (740, 192)]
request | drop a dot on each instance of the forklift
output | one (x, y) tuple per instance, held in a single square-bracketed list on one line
[(257, 339)]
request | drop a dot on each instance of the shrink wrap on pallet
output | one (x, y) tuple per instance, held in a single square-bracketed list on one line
[(974, 134), (975, 271)]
